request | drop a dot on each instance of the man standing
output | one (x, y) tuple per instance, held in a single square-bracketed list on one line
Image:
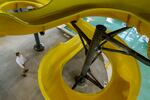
[(20, 60)]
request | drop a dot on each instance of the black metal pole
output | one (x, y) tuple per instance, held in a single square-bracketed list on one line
[(80, 32), (92, 52), (113, 50), (128, 50), (97, 38), (84, 45), (37, 40), (94, 81), (38, 46), (113, 34)]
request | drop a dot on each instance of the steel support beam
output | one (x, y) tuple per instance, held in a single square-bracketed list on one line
[(38, 46), (92, 52)]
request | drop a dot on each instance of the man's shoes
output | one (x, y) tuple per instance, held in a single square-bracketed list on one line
[(24, 75), (25, 70)]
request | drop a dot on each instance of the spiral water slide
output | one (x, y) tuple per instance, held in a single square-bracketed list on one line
[(125, 81)]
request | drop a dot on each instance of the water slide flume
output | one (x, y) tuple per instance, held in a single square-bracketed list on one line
[(121, 87), (52, 13), (56, 12)]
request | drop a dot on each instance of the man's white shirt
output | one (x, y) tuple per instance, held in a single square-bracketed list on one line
[(20, 60)]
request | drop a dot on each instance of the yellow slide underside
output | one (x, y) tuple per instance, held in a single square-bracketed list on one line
[(51, 13), (125, 81)]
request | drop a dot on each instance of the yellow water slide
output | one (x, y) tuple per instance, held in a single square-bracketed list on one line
[(124, 84), (125, 81), (50, 13)]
